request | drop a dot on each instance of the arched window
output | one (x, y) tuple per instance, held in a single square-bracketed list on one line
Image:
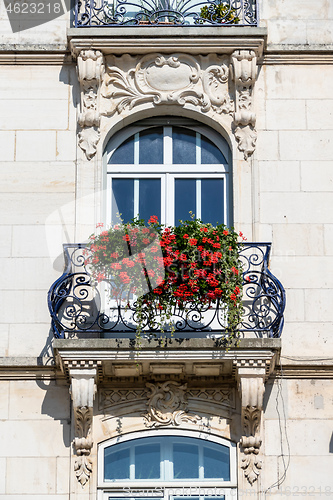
[(168, 169), (168, 465)]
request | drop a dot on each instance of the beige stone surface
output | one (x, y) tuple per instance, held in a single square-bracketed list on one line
[(285, 114), (328, 239), (20, 339), (32, 177), (317, 176), (27, 274), (63, 475), (36, 145), (279, 176), (298, 239), (7, 145), (295, 208), (304, 271), (36, 475), (38, 439), (319, 114), (39, 241), (306, 145), (5, 241), (37, 400), (66, 145), (34, 115), (318, 305), (2, 476), (267, 145), (33, 307), (4, 399), (4, 334), (286, 31), (295, 310), (310, 398)]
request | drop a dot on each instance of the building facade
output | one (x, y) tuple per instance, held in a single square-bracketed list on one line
[(99, 114)]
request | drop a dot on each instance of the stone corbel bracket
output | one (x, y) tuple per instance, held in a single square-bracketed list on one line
[(250, 376), (243, 69), (83, 389), (90, 69)]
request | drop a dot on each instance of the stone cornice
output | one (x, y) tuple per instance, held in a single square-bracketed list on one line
[(192, 40)]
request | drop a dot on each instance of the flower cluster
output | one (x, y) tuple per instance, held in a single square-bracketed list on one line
[(193, 264)]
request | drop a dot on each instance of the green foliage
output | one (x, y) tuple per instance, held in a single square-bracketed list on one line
[(220, 12)]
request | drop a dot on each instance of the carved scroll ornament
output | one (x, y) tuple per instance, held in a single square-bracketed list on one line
[(177, 79), (167, 405)]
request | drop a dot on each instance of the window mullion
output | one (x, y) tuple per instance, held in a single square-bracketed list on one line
[(136, 197), (198, 199), (167, 146)]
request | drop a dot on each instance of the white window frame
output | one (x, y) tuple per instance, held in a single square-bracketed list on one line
[(123, 488), (168, 171)]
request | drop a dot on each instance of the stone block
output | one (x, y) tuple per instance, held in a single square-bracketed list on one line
[(63, 475), (320, 31), (35, 146), (30, 339), (310, 398), (37, 209), (306, 145), (328, 239), (298, 239), (295, 208), (285, 31), (34, 438), (30, 400), (27, 274), (319, 114), (66, 145), (31, 177), (306, 340), (36, 475), (40, 241), (7, 145), (295, 9), (267, 145), (295, 306), (34, 115), (304, 271), (4, 399), (317, 176), (304, 436), (2, 476), (4, 335), (318, 304), (5, 241), (298, 81), (279, 176), (276, 393), (23, 306), (285, 114)]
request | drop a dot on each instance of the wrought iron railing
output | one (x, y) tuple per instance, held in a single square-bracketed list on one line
[(80, 309), (93, 13)]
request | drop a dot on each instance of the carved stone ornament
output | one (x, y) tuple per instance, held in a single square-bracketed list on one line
[(90, 65), (83, 390), (167, 405), (243, 69), (251, 379), (177, 79)]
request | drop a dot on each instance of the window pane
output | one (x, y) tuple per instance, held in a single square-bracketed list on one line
[(116, 464), (123, 199), (216, 463), (185, 461), (147, 462), (149, 198), (183, 145), (210, 153), (185, 199), (124, 153), (212, 201), (151, 146)]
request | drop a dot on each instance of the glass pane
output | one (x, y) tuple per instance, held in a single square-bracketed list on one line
[(210, 153), (149, 198), (185, 461), (123, 199), (183, 145), (185, 199), (151, 146), (147, 462), (116, 464), (212, 201), (124, 153), (216, 463)]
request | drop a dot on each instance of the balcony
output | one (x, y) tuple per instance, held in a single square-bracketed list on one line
[(148, 13), (79, 309)]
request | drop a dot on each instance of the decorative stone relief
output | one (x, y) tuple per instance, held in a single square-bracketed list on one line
[(159, 79), (167, 405), (250, 375), (243, 70), (90, 65), (83, 390)]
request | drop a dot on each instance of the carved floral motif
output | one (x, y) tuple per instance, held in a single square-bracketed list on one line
[(167, 405)]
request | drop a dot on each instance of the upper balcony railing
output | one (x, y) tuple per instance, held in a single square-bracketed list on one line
[(79, 309), (95, 13)]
